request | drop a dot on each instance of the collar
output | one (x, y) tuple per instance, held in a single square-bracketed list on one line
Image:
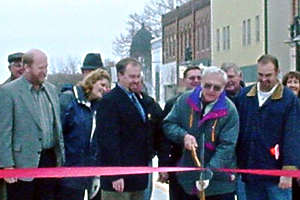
[(129, 93), (80, 96), (29, 85), (8, 80), (208, 106), (219, 108), (277, 94), (231, 94)]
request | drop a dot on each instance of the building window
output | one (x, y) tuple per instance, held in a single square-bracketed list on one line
[(257, 29), (169, 46), (208, 36), (218, 39), (174, 44), (166, 47), (185, 39), (224, 38), (244, 31), (181, 45), (198, 38), (190, 38), (248, 32), (228, 37), (246, 38), (204, 37)]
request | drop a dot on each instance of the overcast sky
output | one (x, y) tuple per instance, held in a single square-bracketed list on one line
[(62, 28)]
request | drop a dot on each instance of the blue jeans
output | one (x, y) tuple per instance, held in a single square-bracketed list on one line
[(148, 190), (266, 191), (240, 188)]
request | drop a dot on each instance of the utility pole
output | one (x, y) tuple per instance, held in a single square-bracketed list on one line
[(295, 33), (295, 39)]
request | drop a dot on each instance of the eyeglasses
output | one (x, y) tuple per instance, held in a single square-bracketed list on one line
[(216, 88), (192, 78)]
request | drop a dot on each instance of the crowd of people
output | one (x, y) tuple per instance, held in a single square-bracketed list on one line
[(216, 122)]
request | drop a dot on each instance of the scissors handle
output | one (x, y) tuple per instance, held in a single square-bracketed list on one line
[(198, 164)]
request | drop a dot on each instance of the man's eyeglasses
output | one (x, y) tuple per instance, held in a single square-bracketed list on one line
[(216, 88), (192, 78)]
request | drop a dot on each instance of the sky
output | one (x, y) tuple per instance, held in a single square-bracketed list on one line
[(62, 28)]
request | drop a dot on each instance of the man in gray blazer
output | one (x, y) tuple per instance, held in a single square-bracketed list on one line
[(30, 128)]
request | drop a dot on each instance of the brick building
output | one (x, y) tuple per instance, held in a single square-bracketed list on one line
[(188, 26)]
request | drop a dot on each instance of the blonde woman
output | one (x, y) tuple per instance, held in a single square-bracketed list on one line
[(78, 122)]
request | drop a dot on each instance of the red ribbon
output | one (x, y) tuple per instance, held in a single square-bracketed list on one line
[(59, 172)]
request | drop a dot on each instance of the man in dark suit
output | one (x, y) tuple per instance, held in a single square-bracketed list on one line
[(30, 127), (155, 117), (123, 134)]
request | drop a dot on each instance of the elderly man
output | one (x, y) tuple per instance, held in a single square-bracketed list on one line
[(123, 134), (15, 66), (269, 134), (233, 86), (30, 127), (170, 151), (233, 89), (206, 120)]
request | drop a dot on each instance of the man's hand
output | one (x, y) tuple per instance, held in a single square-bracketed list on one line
[(10, 180), (118, 185), (163, 177), (285, 182), (95, 187), (202, 185), (190, 142)]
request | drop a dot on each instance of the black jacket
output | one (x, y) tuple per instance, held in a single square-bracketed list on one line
[(123, 138), (171, 152)]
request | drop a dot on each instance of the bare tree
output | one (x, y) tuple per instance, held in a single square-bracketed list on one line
[(150, 17), (64, 71), (109, 63), (121, 45), (70, 65)]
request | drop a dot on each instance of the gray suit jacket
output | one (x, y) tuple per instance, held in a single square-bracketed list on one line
[(20, 129)]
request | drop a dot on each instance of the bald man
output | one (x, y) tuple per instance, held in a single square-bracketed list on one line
[(30, 127)]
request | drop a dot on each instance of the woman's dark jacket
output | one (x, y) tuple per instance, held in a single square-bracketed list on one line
[(77, 123)]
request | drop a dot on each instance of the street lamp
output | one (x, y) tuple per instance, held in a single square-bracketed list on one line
[(295, 40)]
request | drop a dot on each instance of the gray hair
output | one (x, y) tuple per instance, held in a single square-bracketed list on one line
[(214, 70), (228, 65)]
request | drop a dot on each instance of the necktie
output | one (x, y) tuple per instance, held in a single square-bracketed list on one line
[(138, 106)]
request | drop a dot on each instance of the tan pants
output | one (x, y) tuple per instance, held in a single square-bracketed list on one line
[(2, 190), (108, 195)]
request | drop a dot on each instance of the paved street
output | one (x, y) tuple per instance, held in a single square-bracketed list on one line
[(160, 190)]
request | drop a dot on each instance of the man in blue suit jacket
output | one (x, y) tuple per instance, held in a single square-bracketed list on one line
[(269, 132), (123, 134)]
